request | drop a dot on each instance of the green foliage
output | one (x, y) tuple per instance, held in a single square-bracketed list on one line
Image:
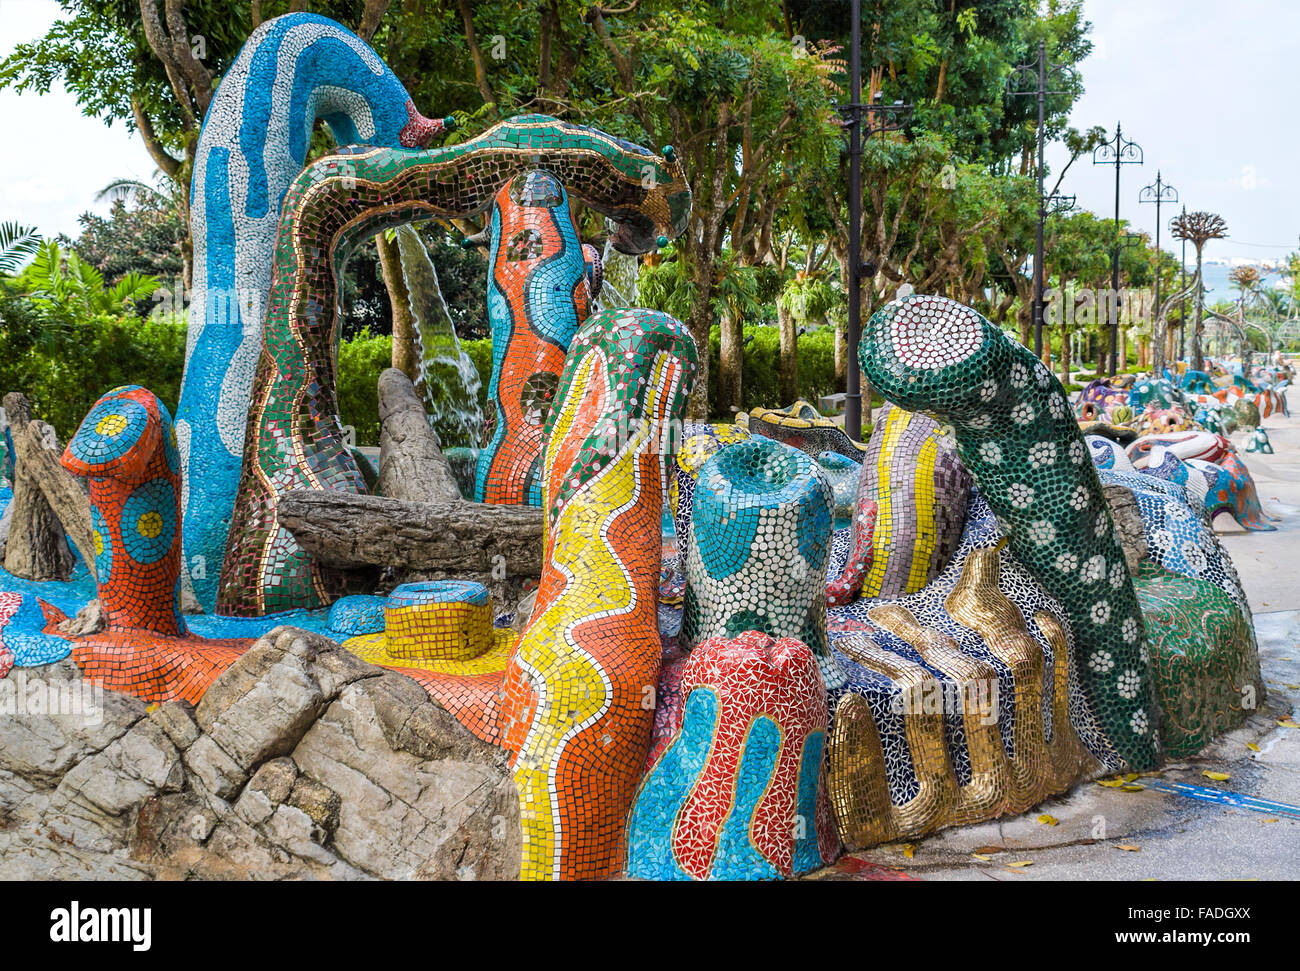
[(361, 360), (143, 233), (761, 374), (67, 289), (17, 243), (65, 365)]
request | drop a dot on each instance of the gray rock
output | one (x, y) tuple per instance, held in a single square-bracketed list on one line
[(301, 762)]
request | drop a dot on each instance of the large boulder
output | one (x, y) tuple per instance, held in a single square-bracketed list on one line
[(300, 761)]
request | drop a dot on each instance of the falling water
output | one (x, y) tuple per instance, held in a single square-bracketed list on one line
[(446, 379)]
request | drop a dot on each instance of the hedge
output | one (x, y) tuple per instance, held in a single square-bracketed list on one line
[(64, 370)]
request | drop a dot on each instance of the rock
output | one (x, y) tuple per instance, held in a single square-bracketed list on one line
[(176, 718), (1127, 517), (301, 762), (275, 779), (35, 548), (523, 612), (411, 463), (319, 802), (90, 619)]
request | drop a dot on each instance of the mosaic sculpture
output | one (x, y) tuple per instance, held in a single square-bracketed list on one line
[(738, 793), (126, 448), (918, 487), (936, 681), (1024, 450), (804, 427), (539, 294), (574, 711), (294, 438), (1258, 442), (759, 537), (292, 71)]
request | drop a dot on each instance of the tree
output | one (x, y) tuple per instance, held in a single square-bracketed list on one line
[(1198, 228), (17, 243)]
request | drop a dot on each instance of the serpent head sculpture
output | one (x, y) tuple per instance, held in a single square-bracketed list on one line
[(1027, 456)]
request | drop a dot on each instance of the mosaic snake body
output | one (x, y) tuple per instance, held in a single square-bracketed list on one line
[(294, 438), (1026, 454), (292, 71)]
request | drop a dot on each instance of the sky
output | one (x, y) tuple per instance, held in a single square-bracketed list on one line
[(1209, 89), (1211, 92), (56, 158)]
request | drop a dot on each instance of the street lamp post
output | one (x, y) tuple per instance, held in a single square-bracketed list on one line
[(852, 115), (1119, 152), (1182, 287), (1038, 70), (1158, 192)]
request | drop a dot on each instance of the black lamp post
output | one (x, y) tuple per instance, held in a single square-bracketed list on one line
[(1158, 192), (852, 115), (1038, 71), (1182, 303), (1119, 152)]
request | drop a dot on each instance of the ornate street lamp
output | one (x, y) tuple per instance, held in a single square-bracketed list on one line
[(880, 117), (1039, 71), (1120, 151)]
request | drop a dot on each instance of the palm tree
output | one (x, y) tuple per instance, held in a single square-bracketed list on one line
[(171, 196), (16, 244), (1198, 228)]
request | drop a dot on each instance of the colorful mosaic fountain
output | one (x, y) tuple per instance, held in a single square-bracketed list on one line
[(744, 697)]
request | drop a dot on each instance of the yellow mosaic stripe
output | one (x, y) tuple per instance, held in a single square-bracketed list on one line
[(923, 496), (896, 423), (573, 690)]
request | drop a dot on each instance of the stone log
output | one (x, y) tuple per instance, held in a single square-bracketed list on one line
[(35, 548), (411, 464), (38, 455), (346, 531)]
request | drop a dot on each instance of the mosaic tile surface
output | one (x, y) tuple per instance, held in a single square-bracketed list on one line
[(292, 71), (1025, 451), (294, 438), (739, 792)]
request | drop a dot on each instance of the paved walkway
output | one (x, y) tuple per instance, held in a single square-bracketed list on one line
[(1110, 834)]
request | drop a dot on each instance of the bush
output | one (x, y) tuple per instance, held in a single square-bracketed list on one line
[(760, 382), (65, 367), (361, 360)]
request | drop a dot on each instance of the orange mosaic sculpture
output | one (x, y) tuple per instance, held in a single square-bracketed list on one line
[(126, 448)]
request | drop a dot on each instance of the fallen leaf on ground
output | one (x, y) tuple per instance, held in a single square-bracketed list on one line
[(1131, 787), (1048, 820), (909, 850), (988, 849), (1110, 783), (1020, 864), (981, 856), (1128, 847), (1288, 723), (1252, 746), (1272, 820), (1216, 776)]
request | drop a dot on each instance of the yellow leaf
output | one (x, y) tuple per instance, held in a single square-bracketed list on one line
[(1252, 746), (1272, 819), (1131, 787), (1216, 776), (1294, 687), (909, 850), (1018, 864), (1110, 783), (1128, 847), (152, 707), (1287, 723), (981, 857), (1048, 820), (1131, 777)]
